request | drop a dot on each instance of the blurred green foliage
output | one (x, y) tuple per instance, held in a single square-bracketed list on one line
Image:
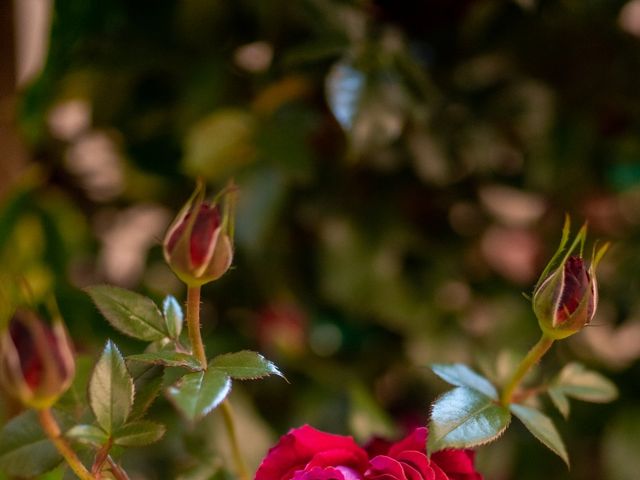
[(404, 170)]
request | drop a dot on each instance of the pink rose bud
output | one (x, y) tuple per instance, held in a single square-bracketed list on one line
[(36, 360), (198, 245), (566, 297)]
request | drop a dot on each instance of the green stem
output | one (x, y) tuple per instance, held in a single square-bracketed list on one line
[(241, 468), (193, 324), (533, 357), (52, 429)]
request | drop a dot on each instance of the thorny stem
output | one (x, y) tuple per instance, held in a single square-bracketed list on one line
[(533, 357), (193, 324), (117, 471), (101, 457), (241, 468), (52, 429)]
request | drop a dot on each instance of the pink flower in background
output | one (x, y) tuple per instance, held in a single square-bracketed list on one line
[(309, 454)]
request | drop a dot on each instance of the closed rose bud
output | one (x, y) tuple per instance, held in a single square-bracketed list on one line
[(36, 360), (566, 297), (198, 245)]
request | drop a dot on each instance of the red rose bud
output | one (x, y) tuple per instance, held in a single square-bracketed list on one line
[(198, 245), (566, 297), (36, 360)]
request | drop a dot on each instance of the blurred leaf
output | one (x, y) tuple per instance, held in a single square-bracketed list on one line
[(281, 92), (24, 449), (560, 401), (366, 418), (370, 106), (74, 400), (220, 144), (620, 446), (129, 312), (111, 389), (89, 434), (147, 380), (464, 418), (138, 433), (314, 52), (245, 365), (575, 381), (345, 89), (196, 394), (169, 359), (462, 376), (258, 206), (542, 428), (173, 316)]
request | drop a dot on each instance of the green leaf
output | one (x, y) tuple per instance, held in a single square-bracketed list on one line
[(111, 389), (220, 143), (173, 316), (24, 449), (542, 428), (245, 365), (196, 394), (462, 376), (129, 312), (168, 359), (463, 418), (147, 382), (576, 381), (560, 400), (139, 433), (89, 434)]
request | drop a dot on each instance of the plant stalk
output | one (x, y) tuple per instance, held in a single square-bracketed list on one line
[(193, 325), (101, 457), (52, 429), (533, 357), (116, 470), (227, 414)]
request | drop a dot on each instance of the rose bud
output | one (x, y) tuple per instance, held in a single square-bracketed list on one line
[(36, 360), (198, 244), (566, 296)]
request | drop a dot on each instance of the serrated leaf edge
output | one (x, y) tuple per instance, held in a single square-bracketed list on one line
[(274, 370), (437, 444), (146, 322), (133, 389)]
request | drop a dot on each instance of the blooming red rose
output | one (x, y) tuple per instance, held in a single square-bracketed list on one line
[(407, 460), (309, 454)]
